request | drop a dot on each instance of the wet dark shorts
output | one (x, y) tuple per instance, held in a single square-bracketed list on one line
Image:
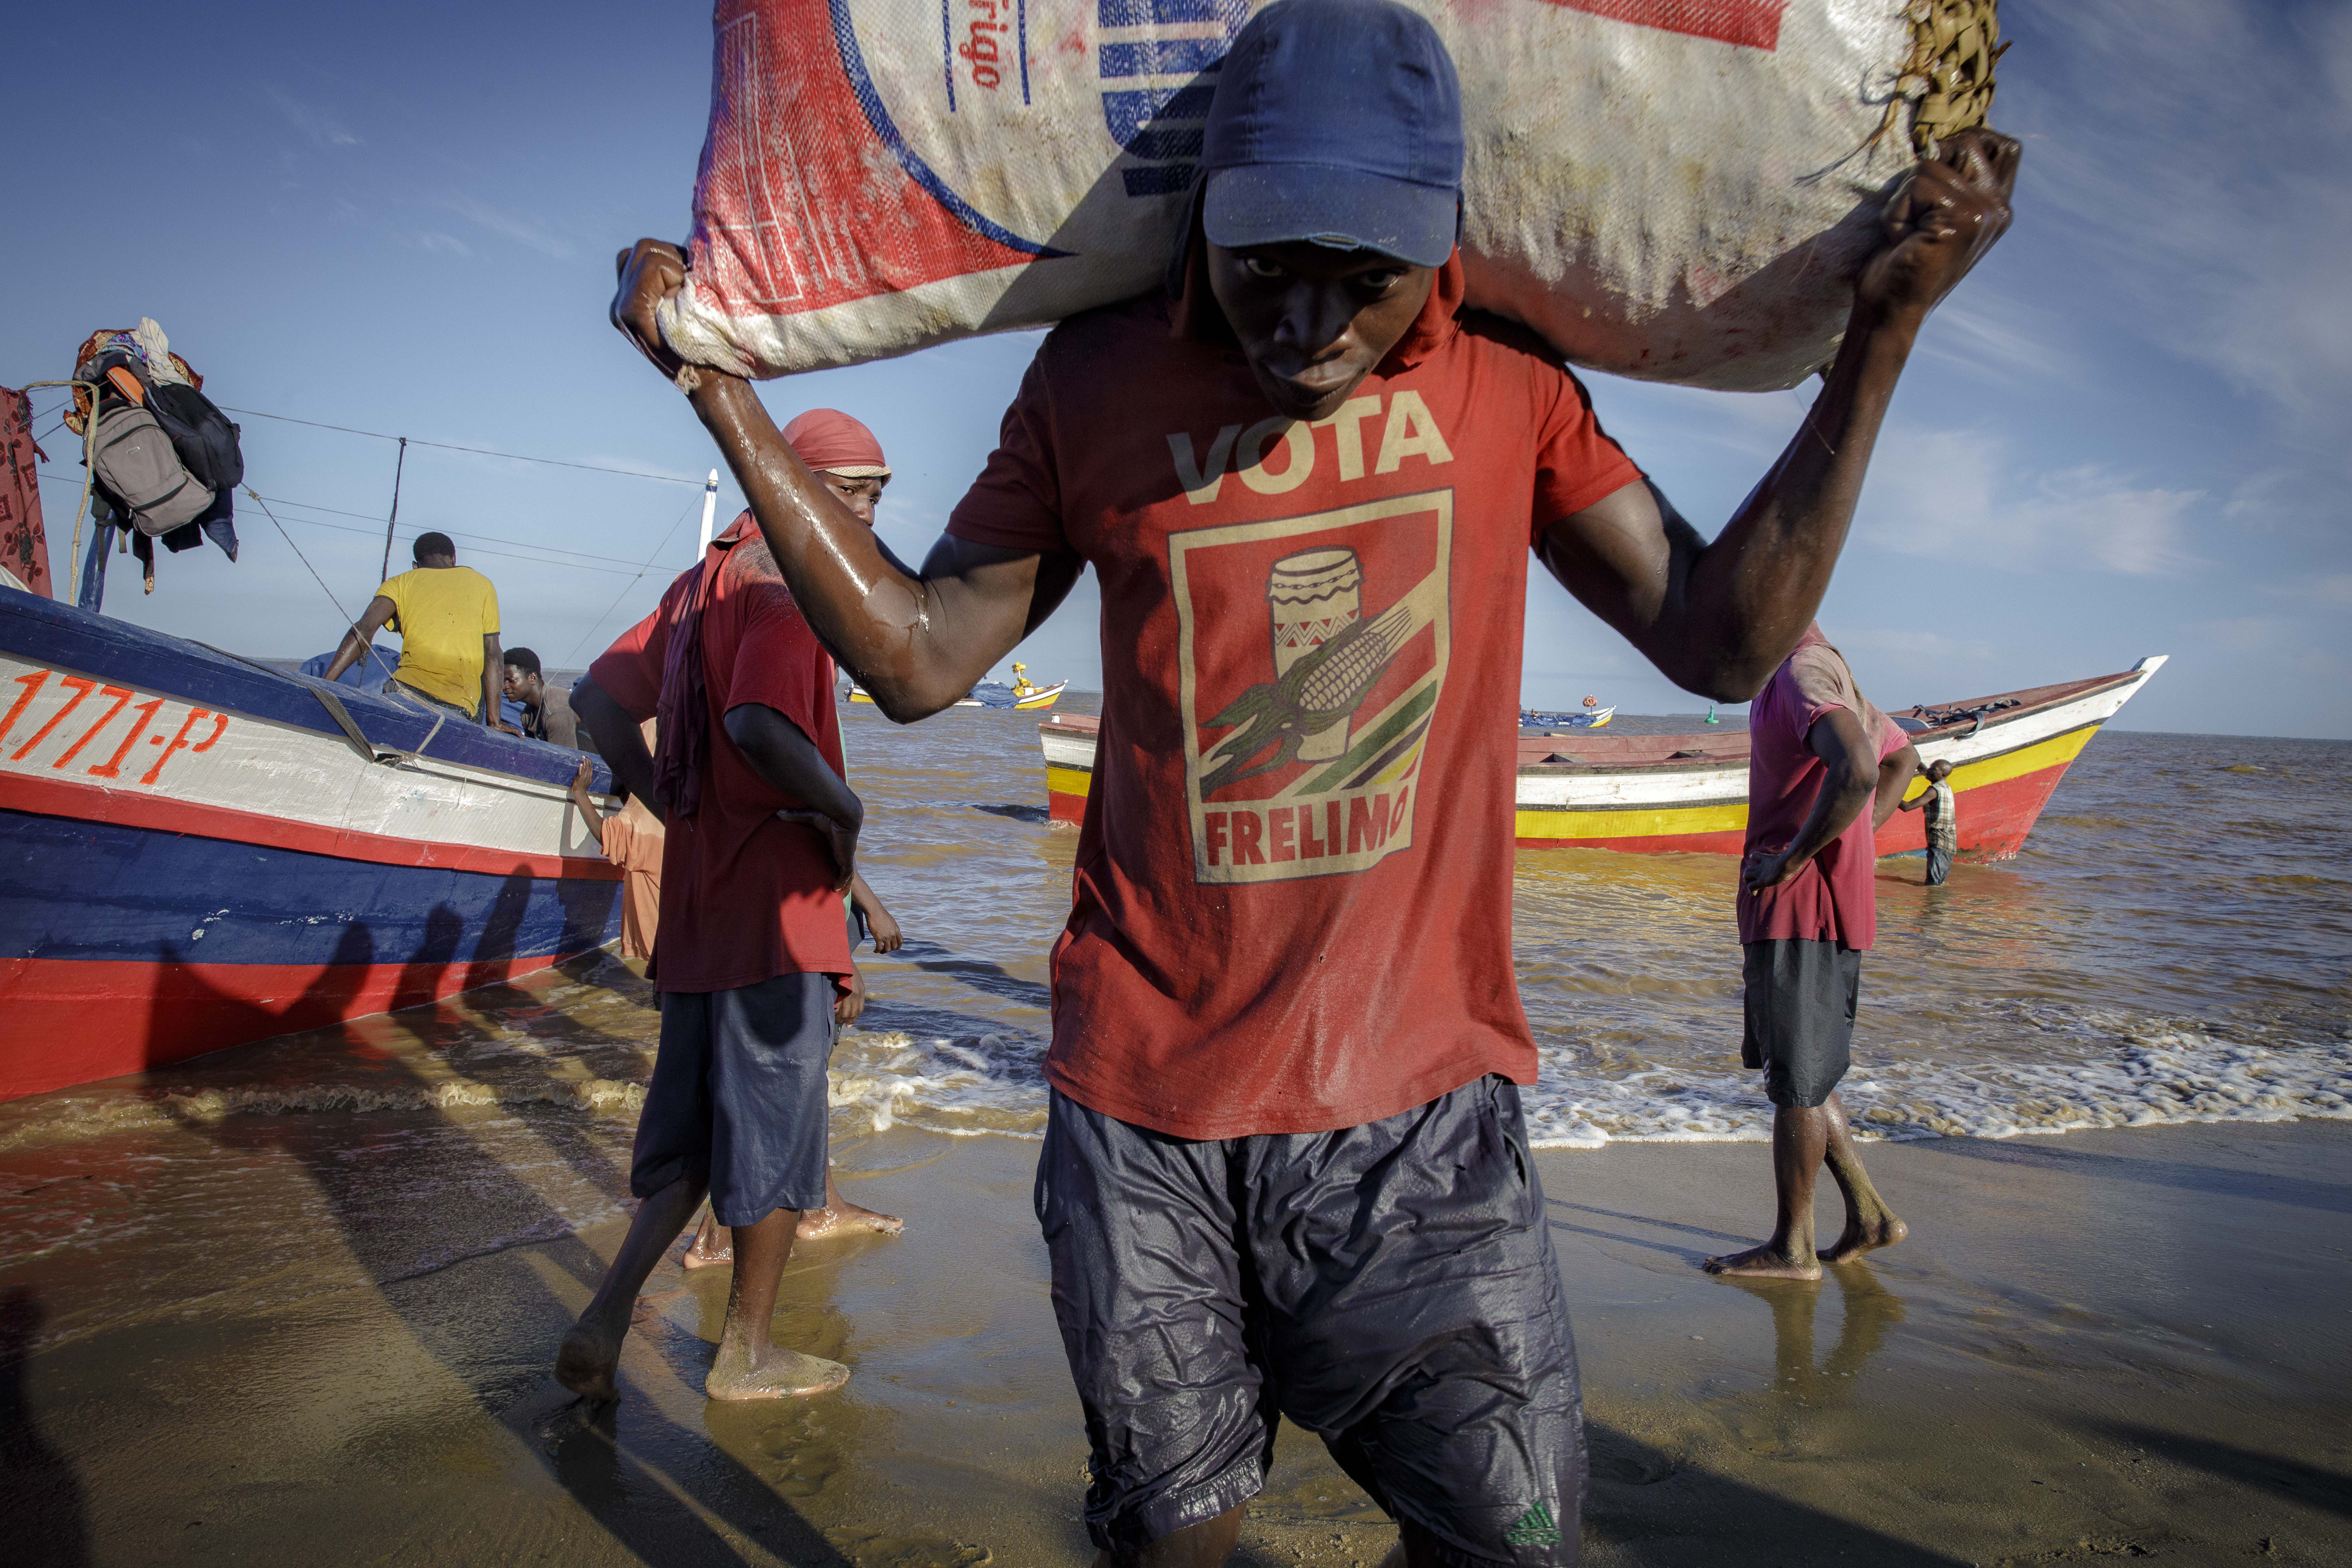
[(739, 1097), (1801, 1002), (1390, 1288)]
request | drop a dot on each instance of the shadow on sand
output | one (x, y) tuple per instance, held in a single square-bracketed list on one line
[(368, 1184), (40, 1494)]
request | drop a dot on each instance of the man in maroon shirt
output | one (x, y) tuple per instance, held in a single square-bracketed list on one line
[(1825, 770), (1284, 1170), (752, 955)]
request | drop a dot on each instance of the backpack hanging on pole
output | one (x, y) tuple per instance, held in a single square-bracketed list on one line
[(201, 434), (139, 466)]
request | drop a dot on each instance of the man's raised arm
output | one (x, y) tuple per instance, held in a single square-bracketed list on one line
[(916, 641), (1718, 618)]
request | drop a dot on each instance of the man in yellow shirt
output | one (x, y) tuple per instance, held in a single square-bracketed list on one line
[(447, 618)]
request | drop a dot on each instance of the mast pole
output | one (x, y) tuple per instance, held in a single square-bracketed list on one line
[(398, 464), (710, 510)]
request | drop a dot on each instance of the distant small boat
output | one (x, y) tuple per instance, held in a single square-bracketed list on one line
[(1654, 793), (859, 694), (1021, 694), (1584, 718), (994, 694)]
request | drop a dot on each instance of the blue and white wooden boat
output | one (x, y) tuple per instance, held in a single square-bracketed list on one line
[(200, 850)]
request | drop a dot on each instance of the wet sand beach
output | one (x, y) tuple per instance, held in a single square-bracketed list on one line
[(298, 1301), (291, 1337)]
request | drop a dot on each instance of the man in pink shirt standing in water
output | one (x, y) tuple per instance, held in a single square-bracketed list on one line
[(1819, 754)]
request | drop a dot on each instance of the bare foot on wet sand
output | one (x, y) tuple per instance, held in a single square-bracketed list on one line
[(775, 1374), (841, 1216), (1762, 1263), (587, 1361), (1858, 1238), (711, 1246)]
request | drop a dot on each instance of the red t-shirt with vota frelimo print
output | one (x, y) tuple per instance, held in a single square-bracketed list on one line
[(1292, 899)]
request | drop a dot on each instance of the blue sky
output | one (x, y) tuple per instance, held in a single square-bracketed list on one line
[(2126, 434)]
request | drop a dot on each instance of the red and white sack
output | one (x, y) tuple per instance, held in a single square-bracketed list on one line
[(1681, 190)]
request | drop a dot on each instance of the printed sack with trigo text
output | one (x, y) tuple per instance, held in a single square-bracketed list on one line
[(1680, 190)]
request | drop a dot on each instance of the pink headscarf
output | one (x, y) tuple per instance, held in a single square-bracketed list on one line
[(832, 442)]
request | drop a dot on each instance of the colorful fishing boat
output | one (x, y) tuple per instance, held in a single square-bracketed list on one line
[(1653, 793), (203, 850), (1583, 719), (859, 694), (1022, 694)]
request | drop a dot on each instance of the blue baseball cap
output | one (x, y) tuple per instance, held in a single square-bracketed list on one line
[(1337, 122)]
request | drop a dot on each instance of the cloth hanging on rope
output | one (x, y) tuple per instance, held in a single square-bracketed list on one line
[(23, 546), (147, 344)]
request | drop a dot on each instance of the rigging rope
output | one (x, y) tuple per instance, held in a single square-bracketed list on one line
[(454, 447), (348, 622), (599, 623)]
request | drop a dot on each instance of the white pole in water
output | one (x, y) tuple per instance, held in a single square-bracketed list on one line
[(709, 510)]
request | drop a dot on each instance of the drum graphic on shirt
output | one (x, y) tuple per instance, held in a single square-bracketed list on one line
[(1314, 651), (1314, 595)]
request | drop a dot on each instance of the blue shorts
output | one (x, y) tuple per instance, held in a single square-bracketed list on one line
[(738, 1097), (1391, 1287)]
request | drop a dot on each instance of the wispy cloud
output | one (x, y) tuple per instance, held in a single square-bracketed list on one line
[(1913, 646), (2202, 147), (1953, 495), (2244, 634), (436, 241), (519, 228), (2334, 589), (1996, 335), (323, 128)]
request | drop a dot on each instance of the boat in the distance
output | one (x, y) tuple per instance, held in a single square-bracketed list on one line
[(1654, 793), (859, 694), (1022, 694), (1587, 719), (203, 850)]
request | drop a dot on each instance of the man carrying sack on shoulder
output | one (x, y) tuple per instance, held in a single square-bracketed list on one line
[(1285, 1171)]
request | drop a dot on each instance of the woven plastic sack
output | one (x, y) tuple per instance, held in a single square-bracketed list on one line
[(1680, 190)]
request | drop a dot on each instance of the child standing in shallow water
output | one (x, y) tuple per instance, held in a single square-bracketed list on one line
[(1942, 822)]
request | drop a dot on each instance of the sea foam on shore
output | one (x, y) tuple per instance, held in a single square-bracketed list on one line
[(2085, 1068)]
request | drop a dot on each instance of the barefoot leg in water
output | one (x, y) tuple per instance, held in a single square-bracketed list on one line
[(1800, 1138), (749, 1366), (591, 1351), (1869, 1223), (840, 1216), (711, 1246)]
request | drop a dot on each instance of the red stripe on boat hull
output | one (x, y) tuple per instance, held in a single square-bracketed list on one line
[(73, 1022)]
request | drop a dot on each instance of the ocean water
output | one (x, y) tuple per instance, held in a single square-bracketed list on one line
[(2174, 944)]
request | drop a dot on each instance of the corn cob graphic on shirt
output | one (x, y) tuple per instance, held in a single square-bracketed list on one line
[(1317, 694)]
